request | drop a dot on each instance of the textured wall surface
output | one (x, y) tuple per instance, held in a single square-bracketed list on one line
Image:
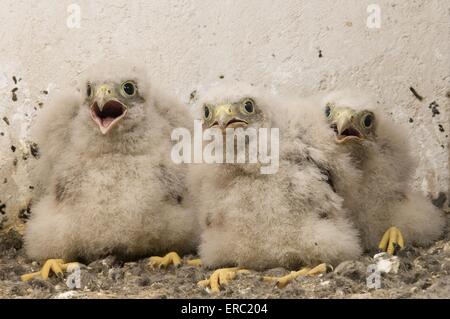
[(307, 46)]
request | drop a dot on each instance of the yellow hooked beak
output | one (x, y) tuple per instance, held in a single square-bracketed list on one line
[(345, 127), (226, 116), (106, 109), (103, 94)]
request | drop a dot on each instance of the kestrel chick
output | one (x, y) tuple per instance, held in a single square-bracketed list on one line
[(107, 184)]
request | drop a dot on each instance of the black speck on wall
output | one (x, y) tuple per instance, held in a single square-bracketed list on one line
[(417, 95), (14, 95), (25, 214), (34, 149), (193, 96), (434, 108)]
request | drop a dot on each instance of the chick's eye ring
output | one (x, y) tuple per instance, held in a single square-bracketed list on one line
[(207, 112), (367, 120), (128, 89), (248, 106)]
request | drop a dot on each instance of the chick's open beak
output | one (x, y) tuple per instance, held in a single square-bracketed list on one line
[(227, 117), (345, 128), (106, 109)]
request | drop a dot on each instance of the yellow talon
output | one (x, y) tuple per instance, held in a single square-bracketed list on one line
[(283, 281), (194, 262), (171, 258), (28, 277), (57, 266), (221, 277), (391, 239)]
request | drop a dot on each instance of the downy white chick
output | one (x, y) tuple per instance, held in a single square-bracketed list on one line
[(106, 182), (290, 218), (382, 204)]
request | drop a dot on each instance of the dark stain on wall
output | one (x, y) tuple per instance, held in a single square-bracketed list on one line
[(14, 95), (24, 214), (34, 149), (434, 108), (417, 95), (193, 96)]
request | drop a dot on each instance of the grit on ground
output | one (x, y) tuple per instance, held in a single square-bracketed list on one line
[(423, 273)]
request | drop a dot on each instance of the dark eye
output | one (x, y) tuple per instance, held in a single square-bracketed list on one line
[(89, 90), (129, 88), (367, 120), (207, 112), (249, 106), (327, 111)]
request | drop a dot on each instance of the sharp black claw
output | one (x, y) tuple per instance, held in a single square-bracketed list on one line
[(397, 248), (329, 268)]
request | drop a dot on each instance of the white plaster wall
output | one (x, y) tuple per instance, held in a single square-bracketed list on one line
[(275, 43)]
